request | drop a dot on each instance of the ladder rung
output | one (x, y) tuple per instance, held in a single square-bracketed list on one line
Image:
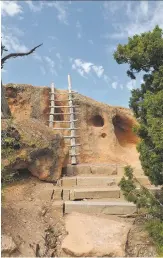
[(64, 113), (74, 154), (67, 137), (56, 93), (66, 128), (56, 100), (65, 121), (64, 106), (62, 121), (60, 100), (74, 145)]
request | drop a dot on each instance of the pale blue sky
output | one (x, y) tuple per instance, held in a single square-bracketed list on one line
[(79, 38)]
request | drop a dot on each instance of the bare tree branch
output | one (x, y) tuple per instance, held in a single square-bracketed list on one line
[(5, 110), (14, 55)]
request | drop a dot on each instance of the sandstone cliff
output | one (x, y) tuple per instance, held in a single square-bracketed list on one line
[(105, 132)]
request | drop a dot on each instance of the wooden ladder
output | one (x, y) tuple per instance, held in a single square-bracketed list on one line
[(71, 121)]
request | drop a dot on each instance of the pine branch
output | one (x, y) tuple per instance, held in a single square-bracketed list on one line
[(14, 55)]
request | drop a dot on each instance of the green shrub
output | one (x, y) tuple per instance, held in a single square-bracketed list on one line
[(10, 143), (155, 229), (151, 203)]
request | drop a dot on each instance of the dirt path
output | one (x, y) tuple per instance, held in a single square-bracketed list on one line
[(28, 217)]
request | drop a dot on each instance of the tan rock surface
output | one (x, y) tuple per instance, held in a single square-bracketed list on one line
[(106, 133), (94, 236)]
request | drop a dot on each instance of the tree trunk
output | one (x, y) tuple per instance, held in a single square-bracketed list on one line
[(5, 110)]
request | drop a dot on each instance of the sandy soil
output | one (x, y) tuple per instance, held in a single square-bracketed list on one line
[(30, 220)]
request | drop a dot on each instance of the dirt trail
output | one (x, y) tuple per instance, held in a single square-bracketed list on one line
[(28, 217)]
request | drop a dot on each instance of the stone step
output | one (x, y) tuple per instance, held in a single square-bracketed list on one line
[(97, 169), (105, 200), (99, 207), (94, 193), (95, 181), (90, 181)]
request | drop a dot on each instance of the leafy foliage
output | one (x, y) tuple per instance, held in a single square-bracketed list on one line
[(144, 53), (10, 142), (140, 195), (155, 229)]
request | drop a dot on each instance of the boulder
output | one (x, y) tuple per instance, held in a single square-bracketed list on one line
[(7, 245), (94, 236), (29, 144)]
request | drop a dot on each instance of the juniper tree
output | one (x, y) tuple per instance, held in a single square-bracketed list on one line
[(144, 53)]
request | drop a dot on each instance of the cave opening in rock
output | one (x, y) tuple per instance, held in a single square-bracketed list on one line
[(22, 174), (123, 130), (97, 121)]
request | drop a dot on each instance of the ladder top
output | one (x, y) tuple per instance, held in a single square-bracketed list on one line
[(60, 100), (57, 93)]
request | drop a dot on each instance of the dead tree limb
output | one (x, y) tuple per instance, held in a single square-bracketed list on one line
[(5, 110), (14, 55)]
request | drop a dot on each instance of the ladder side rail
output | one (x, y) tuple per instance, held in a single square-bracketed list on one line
[(52, 104), (72, 125)]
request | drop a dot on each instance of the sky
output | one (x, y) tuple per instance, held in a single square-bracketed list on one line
[(79, 38)]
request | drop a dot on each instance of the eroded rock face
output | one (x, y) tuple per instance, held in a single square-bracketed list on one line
[(26, 101), (38, 149), (94, 236), (105, 132)]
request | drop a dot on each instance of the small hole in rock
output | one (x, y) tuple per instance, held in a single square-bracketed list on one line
[(97, 121), (103, 135)]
